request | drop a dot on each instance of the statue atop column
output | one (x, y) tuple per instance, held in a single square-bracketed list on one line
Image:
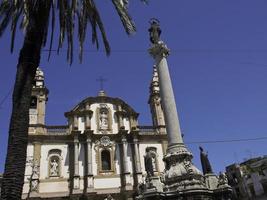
[(154, 31), (206, 166), (149, 163)]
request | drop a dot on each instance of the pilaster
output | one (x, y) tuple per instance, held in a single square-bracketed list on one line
[(126, 172), (138, 170), (75, 122), (120, 114), (88, 115), (89, 165), (76, 176)]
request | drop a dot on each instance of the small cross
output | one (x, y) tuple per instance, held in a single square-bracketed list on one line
[(101, 80)]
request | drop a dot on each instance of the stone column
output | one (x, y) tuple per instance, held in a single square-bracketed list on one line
[(125, 162), (41, 109), (88, 115), (75, 122), (124, 150), (137, 161), (87, 122), (179, 167), (120, 118), (76, 178), (90, 183), (160, 52)]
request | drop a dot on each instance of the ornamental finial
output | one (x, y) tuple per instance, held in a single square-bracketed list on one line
[(154, 31)]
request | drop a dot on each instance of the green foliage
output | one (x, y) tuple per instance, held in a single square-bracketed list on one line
[(67, 12)]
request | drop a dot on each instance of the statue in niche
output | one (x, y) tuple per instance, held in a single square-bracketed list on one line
[(154, 31), (54, 171), (206, 167), (103, 119), (149, 163)]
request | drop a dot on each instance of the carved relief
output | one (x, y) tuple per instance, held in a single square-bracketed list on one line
[(34, 185), (187, 165)]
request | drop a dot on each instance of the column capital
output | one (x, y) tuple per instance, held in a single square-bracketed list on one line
[(159, 50), (124, 139), (135, 140)]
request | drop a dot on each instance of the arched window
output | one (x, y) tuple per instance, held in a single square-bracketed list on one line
[(54, 163), (105, 160)]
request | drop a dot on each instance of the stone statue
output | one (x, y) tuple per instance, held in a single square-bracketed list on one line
[(206, 167), (54, 168), (222, 179), (149, 163), (154, 31), (103, 119)]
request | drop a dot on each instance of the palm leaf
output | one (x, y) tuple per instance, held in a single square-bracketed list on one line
[(66, 11)]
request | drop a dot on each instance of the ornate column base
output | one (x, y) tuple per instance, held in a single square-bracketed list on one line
[(180, 173), (211, 181), (76, 183), (139, 177), (90, 183), (128, 181)]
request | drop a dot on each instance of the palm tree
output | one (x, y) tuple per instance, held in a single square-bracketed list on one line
[(35, 16)]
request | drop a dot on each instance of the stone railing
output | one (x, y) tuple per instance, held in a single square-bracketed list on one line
[(57, 130), (147, 130)]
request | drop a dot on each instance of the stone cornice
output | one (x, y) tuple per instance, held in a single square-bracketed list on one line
[(94, 137), (79, 113), (44, 90)]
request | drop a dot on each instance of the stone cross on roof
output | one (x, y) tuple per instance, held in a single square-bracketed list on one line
[(101, 80)]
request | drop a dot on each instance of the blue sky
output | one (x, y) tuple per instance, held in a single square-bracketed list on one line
[(218, 65)]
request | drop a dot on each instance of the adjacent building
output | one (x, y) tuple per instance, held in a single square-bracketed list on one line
[(249, 179)]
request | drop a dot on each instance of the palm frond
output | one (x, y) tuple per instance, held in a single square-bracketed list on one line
[(68, 13), (121, 7), (15, 19), (52, 29)]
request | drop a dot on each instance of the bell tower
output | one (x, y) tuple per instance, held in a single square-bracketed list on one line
[(38, 99), (155, 104)]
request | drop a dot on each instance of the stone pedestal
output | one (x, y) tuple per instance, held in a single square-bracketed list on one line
[(90, 184), (128, 182), (211, 181), (76, 183)]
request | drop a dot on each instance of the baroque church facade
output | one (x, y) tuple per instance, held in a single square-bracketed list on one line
[(100, 152)]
